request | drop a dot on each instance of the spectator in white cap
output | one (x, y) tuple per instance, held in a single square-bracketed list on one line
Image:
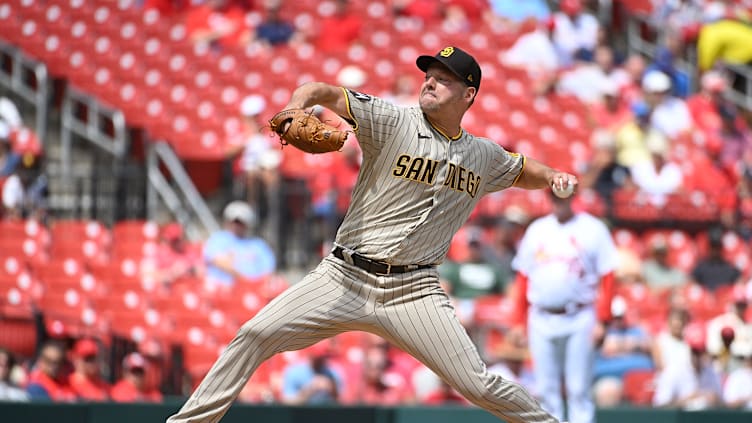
[(704, 106), (232, 254), (257, 176), (670, 114), (659, 177)]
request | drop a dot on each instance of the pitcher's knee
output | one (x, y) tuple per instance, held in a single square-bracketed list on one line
[(493, 392), (257, 333)]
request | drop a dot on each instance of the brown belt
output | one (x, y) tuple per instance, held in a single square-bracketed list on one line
[(564, 310), (376, 267)]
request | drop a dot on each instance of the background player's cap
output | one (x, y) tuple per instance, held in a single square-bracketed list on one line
[(458, 61)]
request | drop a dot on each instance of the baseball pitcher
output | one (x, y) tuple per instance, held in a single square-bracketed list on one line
[(421, 176)]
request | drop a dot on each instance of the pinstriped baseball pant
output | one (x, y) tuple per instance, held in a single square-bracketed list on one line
[(410, 310)]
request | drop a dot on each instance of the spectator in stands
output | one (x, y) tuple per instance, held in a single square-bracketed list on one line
[(603, 173), (232, 254), (660, 177), (176, 258), (515, 12), (633, 137), (692, 385), (508, 232), (591, 81), (625, 347), (339, 31), (658, 273), (665, 61), (472, 276), (218, 22), (735, 138), (48, 380), (9, 159), (274, 30), (258, 161), (425, 12), (737, 389), (611, 112), (86, 380), (628, 79), (24, 193), (743, 172), (312, 380), (722, 40), (576, 30), (455, 19), (677, 15), (705, 106), (669, 345), (535, 51), (725, 330), (714, 271), (510, 361), (10, 118), (132, 387), (670, 115), (608, 392), (166, 8), (381, 383), (8, 390)]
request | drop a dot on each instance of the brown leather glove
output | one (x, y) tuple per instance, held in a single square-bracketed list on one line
[(306, 132)]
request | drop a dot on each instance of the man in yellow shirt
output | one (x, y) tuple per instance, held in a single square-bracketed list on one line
[(726, 40)]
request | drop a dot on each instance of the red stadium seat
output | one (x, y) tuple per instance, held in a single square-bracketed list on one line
[(62, 268), (639, 387), (138, 325), (30, 249), (135, 230), (10, 22), (14, 302)]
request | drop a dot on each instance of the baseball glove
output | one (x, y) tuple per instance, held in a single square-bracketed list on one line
[(306, 132)]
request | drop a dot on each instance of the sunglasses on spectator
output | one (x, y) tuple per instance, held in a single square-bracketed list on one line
[(138, 371), (52, 360)]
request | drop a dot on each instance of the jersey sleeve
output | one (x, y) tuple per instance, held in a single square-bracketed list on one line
[(374, 120), (506, 168)]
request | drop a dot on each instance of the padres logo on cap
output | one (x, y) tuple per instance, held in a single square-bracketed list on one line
[(447, 51)]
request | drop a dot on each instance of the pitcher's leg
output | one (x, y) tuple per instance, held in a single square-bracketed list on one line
[(316, 308), (424, 325)]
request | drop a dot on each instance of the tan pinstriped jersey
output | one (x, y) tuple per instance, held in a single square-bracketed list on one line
[(416, 186)]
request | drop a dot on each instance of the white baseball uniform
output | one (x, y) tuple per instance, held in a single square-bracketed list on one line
[(415, 189), (563, 264)]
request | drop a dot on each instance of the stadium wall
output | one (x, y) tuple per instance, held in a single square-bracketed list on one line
[(128, 413)]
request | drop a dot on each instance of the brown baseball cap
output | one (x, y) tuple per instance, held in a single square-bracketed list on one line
[(456, 60)]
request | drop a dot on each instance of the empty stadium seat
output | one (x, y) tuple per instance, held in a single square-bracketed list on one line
[(639, 387)]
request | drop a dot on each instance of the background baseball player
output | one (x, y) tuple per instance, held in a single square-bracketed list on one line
[(563, 260), (422, 174)]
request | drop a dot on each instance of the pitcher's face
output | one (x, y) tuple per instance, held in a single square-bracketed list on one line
[(441, 87)]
